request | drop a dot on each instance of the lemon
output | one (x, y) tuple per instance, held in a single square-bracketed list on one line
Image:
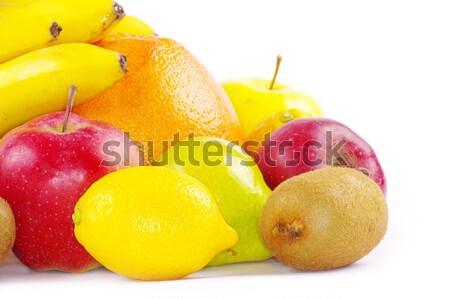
[(151, 223)]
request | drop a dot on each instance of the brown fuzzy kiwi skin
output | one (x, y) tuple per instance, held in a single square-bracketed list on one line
[(7, 229), (325, 219)]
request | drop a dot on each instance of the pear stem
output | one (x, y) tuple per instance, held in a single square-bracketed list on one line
[(277, 68), (72, 93)]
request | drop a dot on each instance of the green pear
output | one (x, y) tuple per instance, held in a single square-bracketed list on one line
[(237, 185)]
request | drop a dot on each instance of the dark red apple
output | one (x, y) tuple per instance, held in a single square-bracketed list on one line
[(43, 173), (305, 145)]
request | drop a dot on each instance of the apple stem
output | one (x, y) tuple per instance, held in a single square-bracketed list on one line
[(72, 93), (277, 68)]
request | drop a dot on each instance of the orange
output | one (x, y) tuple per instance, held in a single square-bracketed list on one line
[(166, 91)]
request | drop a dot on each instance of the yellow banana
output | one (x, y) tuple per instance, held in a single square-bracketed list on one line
[(23, 29), (19, 2), (132, 26), (36, 83), (82, 20)]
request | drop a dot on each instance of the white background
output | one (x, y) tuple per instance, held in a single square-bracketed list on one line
[(381, 67)]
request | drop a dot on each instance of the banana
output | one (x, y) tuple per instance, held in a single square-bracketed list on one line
[(82, 20), (36, 83), (132, 26), (19, 2), (23, 29)]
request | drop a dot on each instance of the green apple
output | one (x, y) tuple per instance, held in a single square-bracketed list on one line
[(237, 185), (256, 99)]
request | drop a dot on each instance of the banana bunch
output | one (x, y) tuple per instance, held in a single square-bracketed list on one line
[(46, 45), (81, 20), (36, 83), (27, 25), (23, 29)]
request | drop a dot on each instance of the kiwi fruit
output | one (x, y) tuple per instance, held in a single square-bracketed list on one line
[(324, 219), (7, 229)]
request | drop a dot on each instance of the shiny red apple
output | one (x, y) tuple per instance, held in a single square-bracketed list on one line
[(309, 144), (43, 173)]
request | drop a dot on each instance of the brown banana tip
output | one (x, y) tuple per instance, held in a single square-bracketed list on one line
[(123, 62), (55, 29), (118, 11)]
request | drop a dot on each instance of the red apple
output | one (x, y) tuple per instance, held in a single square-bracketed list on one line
[(43, 173), (305, 145)]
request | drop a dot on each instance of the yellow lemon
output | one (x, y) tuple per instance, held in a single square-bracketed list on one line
[(151, 223)]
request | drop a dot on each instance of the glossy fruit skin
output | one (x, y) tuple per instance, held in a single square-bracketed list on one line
[(268, 126), (132, 26), (37, 83), (44, 172), (166, 91), (238, 188), (18, 2), (254, 101), (166, 224), (32, 31), (84, 21), (279, 162)]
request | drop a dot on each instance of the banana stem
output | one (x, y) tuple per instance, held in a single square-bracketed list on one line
[(55, 29), (277, 68), (72, 93), (118, 11)]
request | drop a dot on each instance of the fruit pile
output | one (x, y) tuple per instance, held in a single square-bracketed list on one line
[(119, 149)]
